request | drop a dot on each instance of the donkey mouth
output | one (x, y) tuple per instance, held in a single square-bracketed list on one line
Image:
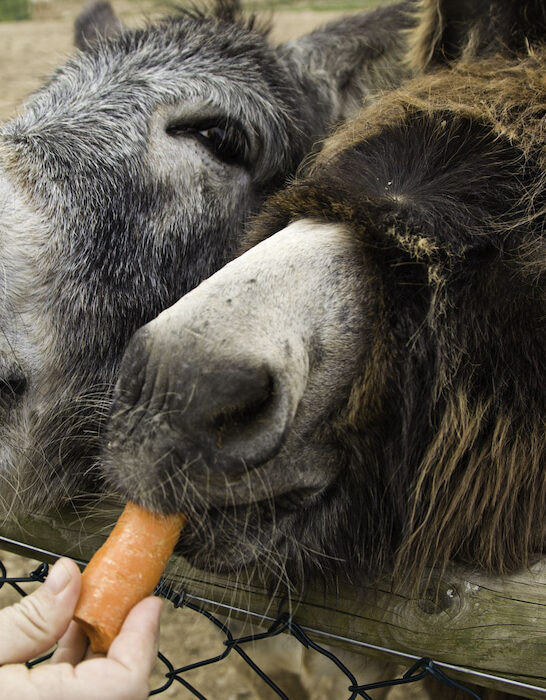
[(225, 539)]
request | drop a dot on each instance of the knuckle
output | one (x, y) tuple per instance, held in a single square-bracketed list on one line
[(32, 619), (137, 688), (56, 682)]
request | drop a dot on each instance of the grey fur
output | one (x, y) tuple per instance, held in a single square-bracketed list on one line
[(113, 204)]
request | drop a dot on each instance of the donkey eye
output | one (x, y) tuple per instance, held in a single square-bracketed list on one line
[(228, 142), (214, 133)]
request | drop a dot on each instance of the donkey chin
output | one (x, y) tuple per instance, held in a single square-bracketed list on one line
[(226, 406)]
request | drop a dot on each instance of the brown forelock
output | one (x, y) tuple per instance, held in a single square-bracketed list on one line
[(506, 98), (464, 350), (509, 97)]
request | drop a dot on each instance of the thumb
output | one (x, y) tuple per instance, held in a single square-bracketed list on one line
[(34, 625)]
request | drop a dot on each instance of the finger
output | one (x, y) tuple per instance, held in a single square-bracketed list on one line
[(123, 675), (72, 646), (137, 644), (33, 625), (90, 680), (16, 683)]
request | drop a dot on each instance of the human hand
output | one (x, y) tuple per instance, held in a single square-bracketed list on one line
[(38, 621)]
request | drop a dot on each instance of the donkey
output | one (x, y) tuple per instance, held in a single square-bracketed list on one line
[(129, 178), (362, 391)]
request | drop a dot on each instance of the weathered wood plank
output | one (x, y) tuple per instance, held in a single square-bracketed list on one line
[(472, 623)]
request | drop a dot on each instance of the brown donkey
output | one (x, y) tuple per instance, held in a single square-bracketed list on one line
[(363, 390)]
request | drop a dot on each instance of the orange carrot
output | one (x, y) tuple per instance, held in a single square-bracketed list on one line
[(123, 571)]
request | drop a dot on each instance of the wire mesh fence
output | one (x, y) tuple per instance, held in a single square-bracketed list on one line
[(421, 669)]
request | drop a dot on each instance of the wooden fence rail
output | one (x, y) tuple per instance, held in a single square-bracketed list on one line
[(488, 631)]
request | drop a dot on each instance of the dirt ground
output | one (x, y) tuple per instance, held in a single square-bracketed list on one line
[(29, 51)]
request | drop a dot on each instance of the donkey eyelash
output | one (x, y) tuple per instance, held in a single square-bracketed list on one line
[(227, 141)]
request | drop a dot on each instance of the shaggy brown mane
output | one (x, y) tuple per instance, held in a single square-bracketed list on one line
[(498, 499), (507, 97), (450, 30)]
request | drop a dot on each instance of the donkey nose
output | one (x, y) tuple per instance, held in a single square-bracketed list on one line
[(229, 413)]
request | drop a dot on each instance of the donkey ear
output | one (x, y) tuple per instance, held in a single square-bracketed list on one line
[(231, 11), (96, 21), (447, 30), (227, 10)]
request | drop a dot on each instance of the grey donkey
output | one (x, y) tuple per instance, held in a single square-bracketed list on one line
[(129, 177)]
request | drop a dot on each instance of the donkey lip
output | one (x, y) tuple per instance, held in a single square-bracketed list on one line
[(252, 487), (213, 540)]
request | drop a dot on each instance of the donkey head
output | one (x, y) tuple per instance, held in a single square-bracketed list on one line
[(364, 385), (128, 179)]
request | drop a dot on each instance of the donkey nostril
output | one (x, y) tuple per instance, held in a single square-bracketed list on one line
[(240, 420), (224, 413), (238, 412)]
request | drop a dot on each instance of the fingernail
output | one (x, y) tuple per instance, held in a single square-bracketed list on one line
[(57, 578)]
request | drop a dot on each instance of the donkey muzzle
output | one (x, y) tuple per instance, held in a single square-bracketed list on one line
[(221, 406), (216, 385)]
